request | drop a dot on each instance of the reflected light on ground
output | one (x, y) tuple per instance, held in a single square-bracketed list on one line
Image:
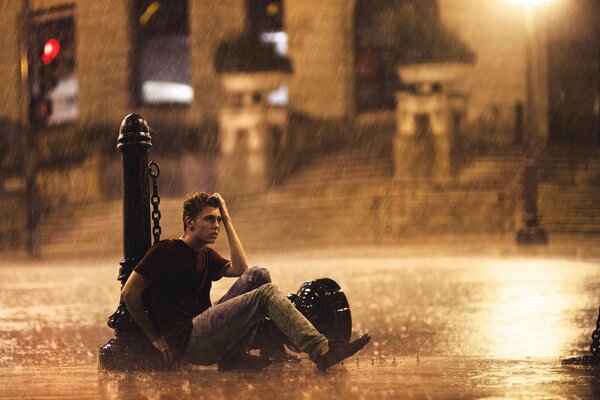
[(443, 327), (527, 319)]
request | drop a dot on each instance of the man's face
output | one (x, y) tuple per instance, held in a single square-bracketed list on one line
[(205, 226)]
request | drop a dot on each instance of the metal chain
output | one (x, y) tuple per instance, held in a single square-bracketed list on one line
[(154, 172), (589, 359), (595, 346)]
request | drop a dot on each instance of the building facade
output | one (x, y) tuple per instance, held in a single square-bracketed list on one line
[(156, 58)]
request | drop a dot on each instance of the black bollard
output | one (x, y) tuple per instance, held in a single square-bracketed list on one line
[(129, 349)]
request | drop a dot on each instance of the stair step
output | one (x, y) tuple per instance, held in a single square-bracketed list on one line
[(347, 197)]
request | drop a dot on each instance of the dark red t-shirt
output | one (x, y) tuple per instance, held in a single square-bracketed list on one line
[(180, 282)]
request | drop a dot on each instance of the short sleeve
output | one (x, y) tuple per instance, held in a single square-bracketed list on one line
[(216, 263), (152, 265)]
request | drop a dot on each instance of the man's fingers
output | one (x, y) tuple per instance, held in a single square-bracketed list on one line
[(168, 356), (219, 197)]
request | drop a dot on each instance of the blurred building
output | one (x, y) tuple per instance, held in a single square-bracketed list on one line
[(156, 58)]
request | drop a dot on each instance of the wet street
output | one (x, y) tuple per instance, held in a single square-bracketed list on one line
[(442, 327)]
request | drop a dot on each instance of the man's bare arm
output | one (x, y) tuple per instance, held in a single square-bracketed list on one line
[(238, 264), (132, 297)]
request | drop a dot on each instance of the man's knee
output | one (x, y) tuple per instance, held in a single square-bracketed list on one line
[(260, 275), (267, 290)]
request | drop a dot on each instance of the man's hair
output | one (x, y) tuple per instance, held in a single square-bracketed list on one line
[(194, 203)]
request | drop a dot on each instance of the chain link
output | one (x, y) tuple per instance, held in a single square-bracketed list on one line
[(595, 346), (154, 172)]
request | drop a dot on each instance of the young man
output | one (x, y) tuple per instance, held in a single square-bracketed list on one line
[(168, 296)]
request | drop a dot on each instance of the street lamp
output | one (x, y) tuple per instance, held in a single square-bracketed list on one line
[(536, 98), (529, 3)]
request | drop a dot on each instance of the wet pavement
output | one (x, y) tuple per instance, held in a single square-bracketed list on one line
[(442, 327)]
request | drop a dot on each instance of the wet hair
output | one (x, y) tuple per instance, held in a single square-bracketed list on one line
[(194, 203)]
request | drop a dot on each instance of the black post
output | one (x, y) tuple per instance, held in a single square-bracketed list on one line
[(30, 126), (129, 349), (531, 233), (519, 124)]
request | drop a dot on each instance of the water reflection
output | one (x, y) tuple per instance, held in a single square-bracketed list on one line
[(471, 323), (529, 316)]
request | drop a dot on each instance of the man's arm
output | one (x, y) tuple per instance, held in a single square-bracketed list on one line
[(132, 297), (238, 264)]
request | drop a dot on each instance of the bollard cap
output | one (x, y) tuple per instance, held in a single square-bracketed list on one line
[(134, 129), (325, 305)]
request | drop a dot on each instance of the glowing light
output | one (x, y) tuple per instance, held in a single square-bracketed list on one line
[(273, 9), (280, 96), (167, 92), (50, 51), (529, 3), (149, 12), (278, 39)]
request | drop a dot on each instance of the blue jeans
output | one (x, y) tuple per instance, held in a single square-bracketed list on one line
[(230, 324)]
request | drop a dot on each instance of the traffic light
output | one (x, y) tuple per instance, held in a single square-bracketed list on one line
[(47, 78), (49, 66), (50, 51), (51, 60)]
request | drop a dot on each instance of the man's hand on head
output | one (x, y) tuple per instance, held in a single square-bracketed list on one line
[(238, 258), (222, 206)]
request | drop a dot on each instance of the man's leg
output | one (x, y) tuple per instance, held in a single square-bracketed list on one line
[(252, 279), (220, 328), (270, 347)]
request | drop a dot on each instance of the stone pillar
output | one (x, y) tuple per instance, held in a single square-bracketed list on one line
[(406, 151), (425, 119), (424, 154), (244, 131)]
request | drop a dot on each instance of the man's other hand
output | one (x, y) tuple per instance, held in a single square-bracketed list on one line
[(161, 345)]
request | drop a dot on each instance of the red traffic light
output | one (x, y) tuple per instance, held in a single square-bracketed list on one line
[(50, 50)]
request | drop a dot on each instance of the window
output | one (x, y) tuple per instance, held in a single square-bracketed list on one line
[(266, 18), (162, 51)]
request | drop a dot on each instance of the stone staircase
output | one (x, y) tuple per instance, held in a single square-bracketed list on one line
[(344, 198), (494, 169), (569, 208), (431, 209), (574, 168), (347, 198), (94, 228), (350, 197), (13, 221)]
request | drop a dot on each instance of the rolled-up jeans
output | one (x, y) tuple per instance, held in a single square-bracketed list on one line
[(236, 315)]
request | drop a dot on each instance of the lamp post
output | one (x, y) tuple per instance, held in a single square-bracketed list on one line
[(30, 127), (536, 98)]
